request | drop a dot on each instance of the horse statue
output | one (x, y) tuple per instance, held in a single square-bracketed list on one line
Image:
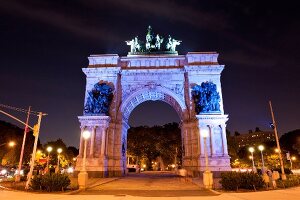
[(134, 45), (149, 38), (158, 42), (172, 43), (131, 44)]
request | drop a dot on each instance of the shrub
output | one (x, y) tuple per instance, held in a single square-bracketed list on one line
[(238, 180), (36, 182), (50, 182), (291, 181), (230, 180), (251, 181)]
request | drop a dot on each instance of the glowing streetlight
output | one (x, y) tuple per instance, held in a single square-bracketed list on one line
[(261, 148), (59, 150), (293, 158), (10, 144), (49, 149), (251, 149), (207, 175), (83, 175)]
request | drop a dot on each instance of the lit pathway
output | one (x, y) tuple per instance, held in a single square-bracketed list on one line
[(155, 184), (288, 194)]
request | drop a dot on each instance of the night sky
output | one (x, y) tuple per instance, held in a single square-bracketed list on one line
[(45, 43)]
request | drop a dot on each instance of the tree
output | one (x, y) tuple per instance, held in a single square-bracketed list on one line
[(10, 132), (153, 142), (232, 146), (53, 154), (257, 129), (236, 133), (291, 141)]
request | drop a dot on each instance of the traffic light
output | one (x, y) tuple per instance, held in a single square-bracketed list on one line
[(35, 130)]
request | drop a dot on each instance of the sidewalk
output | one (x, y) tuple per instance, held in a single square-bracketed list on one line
[(287, 194), (92, 182)]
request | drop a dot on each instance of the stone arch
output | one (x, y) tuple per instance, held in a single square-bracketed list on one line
[(163, 77), (146, 94)]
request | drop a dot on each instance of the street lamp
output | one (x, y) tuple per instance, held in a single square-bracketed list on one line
[(293, 158), (207, 175), (83, 175), (59, 150), (10, 144), (251, 149), (261, 148), (49, 149)]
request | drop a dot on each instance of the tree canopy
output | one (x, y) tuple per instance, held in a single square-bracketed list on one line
[(153, 142)]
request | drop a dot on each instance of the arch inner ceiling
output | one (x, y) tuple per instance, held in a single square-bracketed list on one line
[(151, 95)]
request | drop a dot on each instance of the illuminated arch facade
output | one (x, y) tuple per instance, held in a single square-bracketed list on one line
[(135, 79)]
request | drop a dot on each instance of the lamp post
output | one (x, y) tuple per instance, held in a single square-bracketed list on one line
[(293, 158), (49, 149), (59, 150), (261, 148), (251, 149), (83, 175), (207, 175)]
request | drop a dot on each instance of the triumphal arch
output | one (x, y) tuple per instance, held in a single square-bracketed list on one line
[(153, 71)]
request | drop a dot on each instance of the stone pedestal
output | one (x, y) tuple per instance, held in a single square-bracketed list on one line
[(218, 159), (208, 179), (83, 179), (96, 158)]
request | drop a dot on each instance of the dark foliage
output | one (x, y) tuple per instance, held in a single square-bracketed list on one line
[(291, 141), (50, 182), (238, 180), (151, 142), (10, 132)]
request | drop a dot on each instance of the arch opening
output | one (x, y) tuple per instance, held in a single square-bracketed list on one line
[(151, 113), (154, 140), (148, 94)]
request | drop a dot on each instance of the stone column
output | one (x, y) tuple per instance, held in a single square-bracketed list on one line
[(92, 143), (224, 140), (103, 141), (211, 139), (81, 142)]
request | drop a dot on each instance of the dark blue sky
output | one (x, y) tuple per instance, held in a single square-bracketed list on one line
[(44, 45)]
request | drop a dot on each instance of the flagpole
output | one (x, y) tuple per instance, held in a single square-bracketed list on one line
[(283, 176)]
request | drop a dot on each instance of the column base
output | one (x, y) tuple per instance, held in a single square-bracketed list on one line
[(82, 180), (208, 179)]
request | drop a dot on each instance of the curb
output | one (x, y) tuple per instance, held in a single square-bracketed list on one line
[(5, 188), (89, 187)]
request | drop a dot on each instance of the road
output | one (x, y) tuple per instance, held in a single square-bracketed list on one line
[(154, 184)]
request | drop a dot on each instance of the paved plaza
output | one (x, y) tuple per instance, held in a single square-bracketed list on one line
[(150, 186), (154, 184)]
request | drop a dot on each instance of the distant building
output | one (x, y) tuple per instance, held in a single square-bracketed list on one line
[(254, 138)]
